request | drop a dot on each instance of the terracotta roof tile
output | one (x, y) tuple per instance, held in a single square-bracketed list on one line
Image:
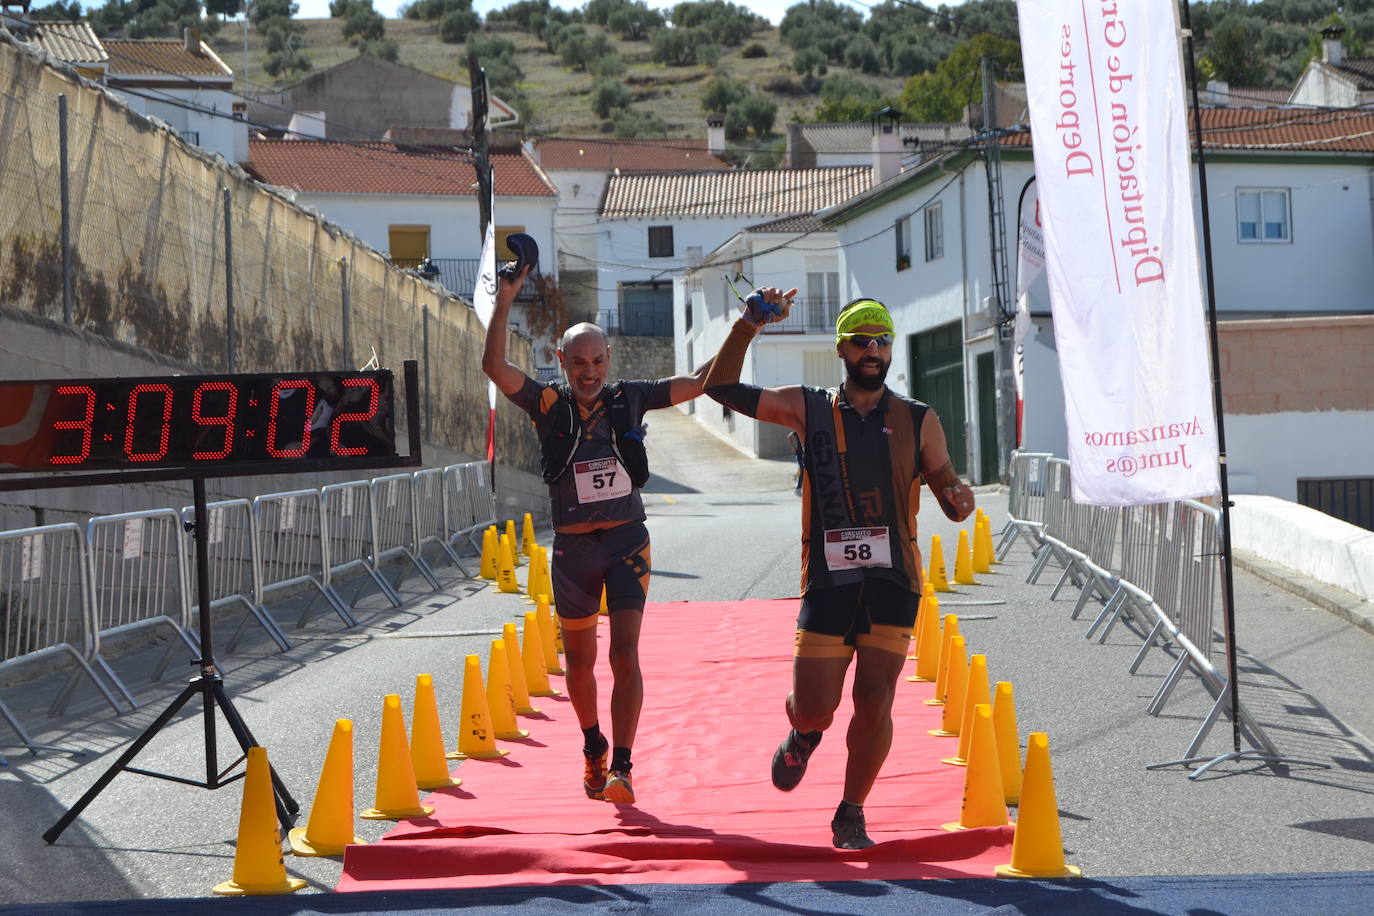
[(383, 168), (74, 42), (805, 222), (1293, 129), (1360, 69), (162, 57), (772, 192), (626, 155)]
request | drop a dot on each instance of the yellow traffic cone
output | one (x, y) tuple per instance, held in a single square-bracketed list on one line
[(396, 796), (534, 579), (527, 543), (258, 864), (983, 805), (505, 568), (511, 539), (937, 566), (963, 561), (1008, 744), (487, 568), (427, 739), (547, 641), (956, 684), (922, 611), (987, 538), (536, 675), (928, 641), (330, 827), (951, 630), (546, 574), (982, 546), (974, 693), (500, 701), (519, 687), (1037, 849), (558, 634), (475, 737), (604, 609)]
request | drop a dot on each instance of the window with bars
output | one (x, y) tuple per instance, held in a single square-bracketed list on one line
[(660, 241)]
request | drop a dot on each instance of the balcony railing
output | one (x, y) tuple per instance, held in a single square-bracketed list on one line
[(809, 315), (637, 321), (459, 275)]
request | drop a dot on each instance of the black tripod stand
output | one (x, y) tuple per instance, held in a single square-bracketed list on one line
[(210, 688)]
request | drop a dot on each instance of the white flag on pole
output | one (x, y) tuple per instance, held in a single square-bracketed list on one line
[(484, 291), (1112, 165), (1030, 264)]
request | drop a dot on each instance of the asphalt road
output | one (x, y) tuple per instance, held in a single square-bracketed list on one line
[(725, 527)]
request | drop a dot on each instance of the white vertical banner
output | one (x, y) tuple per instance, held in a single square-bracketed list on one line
[(1113, 170), (484, 292), (1030, 265)]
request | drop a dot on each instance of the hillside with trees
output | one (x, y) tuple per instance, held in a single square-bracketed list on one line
[(622, 68)]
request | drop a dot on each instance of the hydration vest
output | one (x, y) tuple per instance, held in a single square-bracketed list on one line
[(565, 428)]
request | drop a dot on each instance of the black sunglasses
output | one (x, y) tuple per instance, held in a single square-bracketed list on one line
[(863, 340)]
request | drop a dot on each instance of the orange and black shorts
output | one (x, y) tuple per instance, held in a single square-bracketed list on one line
[(616, 557), (873, 613)]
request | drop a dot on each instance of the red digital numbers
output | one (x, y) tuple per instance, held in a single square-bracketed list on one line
[(359, 416), (164, 434), (275, 408), (227, 421), (85, 424)]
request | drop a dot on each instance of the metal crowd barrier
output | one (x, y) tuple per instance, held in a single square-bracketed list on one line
[(350, 537), (45, 599), (63, 587), (1161, 574), (469, 488), (232, 561), (432, 522), (394, 505), (291, 545), (138, 577), (1025, 500)]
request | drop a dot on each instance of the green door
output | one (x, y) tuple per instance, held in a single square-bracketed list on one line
[(987, 417), (937, 371)]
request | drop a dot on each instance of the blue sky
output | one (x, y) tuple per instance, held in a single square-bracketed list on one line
[(773, 9)]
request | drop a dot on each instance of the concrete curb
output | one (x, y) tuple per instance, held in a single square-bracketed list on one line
[(1350, 608)]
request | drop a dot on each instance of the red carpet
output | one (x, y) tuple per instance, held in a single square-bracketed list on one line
[(715, 674)]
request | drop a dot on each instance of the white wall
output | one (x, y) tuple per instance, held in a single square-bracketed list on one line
[(452, 220), (626, 242), (1339, 445), (1329, 264), (1319, 87), (219, 132), (575, 222)]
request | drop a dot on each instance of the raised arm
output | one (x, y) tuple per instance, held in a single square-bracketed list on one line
[(685, 387), (953, 495), (783, 406), (507, 376)]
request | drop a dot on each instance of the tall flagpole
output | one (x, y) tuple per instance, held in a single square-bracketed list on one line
[(1269, 754), (477, 80)]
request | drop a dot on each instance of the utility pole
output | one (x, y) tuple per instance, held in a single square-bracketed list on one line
[(1002, 312), (477, 77)]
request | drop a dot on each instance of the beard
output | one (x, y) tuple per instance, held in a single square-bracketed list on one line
[(866, 382)]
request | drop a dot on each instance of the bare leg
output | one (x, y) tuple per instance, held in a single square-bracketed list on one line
[(579, 655), (870, 730), (627, 693), (816, 687)]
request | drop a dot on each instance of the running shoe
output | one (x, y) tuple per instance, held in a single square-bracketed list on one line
[(619, 790), (594, 780), (849, 829), (789, 761)]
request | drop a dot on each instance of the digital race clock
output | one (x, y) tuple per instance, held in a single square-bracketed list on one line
[(207, 426)]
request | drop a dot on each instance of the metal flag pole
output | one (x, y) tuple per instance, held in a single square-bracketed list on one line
[(1229, 700)]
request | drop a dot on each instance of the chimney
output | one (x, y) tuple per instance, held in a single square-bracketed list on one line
[(191, 39), (1332, 51), (887, 145), (715, 134), (1218, 93)]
